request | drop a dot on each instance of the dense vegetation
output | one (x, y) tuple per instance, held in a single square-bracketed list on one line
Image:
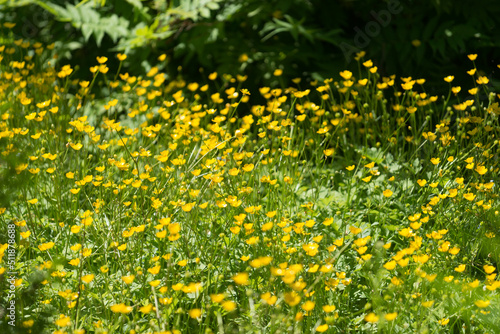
[(138, 197)]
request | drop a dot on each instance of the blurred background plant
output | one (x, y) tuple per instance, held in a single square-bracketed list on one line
[(427, 38)]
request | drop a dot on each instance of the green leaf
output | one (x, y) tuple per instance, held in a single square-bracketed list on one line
[(204, 12), (135, 3), (213, 5)]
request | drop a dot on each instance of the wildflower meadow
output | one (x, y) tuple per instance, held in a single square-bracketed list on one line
[(137, 203)]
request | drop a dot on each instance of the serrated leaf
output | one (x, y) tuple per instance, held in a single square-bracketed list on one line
[(99, 35), (213, 5), (86, 31), (54, 9), (135, 3), (204, 12), (74, 14)]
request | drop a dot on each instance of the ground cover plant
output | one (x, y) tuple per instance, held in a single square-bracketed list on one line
[(357, 204)]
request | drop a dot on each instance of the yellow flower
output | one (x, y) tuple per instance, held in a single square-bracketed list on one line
[(244, 258), (448, 279), (411, 110), (469, 196), (195, 313), (408, 85), (322, 328), (308, 306), (482, 80), (428, 303), (241, 279), (75, 262), (188, 207), (390, 265), (88, 278), (449, 78), (371, 317), (75, 229), (460, 268), (154, 270), (391, 316), (28, 323), (128, 279), (261, 261), (229, 305), (248, 167), (25, 235), (481, 170), (63, 321), (488, 269), (346, 74), (387, 193), (20, 168), (121, 308), (161, 234), (46, 246), (217, 298), (155, 283), (76, 147), (292, 298), (329, 308), (370, 165), (33, 201), (146, 308), (328, 152), (435, 161), (212, 76), (354, 230), (421, 182), (102, 60), (444, 321), (252, 240), (368, 63), (174, 228), (311, 249), (482, 303)]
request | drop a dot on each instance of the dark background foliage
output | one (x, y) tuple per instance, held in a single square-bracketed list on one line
[(306, 38)]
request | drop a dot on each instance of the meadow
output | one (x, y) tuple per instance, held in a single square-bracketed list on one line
[(147, 204)]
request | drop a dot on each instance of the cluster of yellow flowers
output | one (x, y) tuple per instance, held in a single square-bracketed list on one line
[(177, 207)]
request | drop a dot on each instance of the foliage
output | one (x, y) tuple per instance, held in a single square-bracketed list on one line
[(307, 38)]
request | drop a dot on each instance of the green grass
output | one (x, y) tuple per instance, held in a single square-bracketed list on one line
[(361, 204)]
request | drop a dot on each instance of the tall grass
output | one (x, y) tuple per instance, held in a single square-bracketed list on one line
[(357, 204)]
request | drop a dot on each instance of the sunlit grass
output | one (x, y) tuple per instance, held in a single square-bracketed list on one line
[(356, 204)]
